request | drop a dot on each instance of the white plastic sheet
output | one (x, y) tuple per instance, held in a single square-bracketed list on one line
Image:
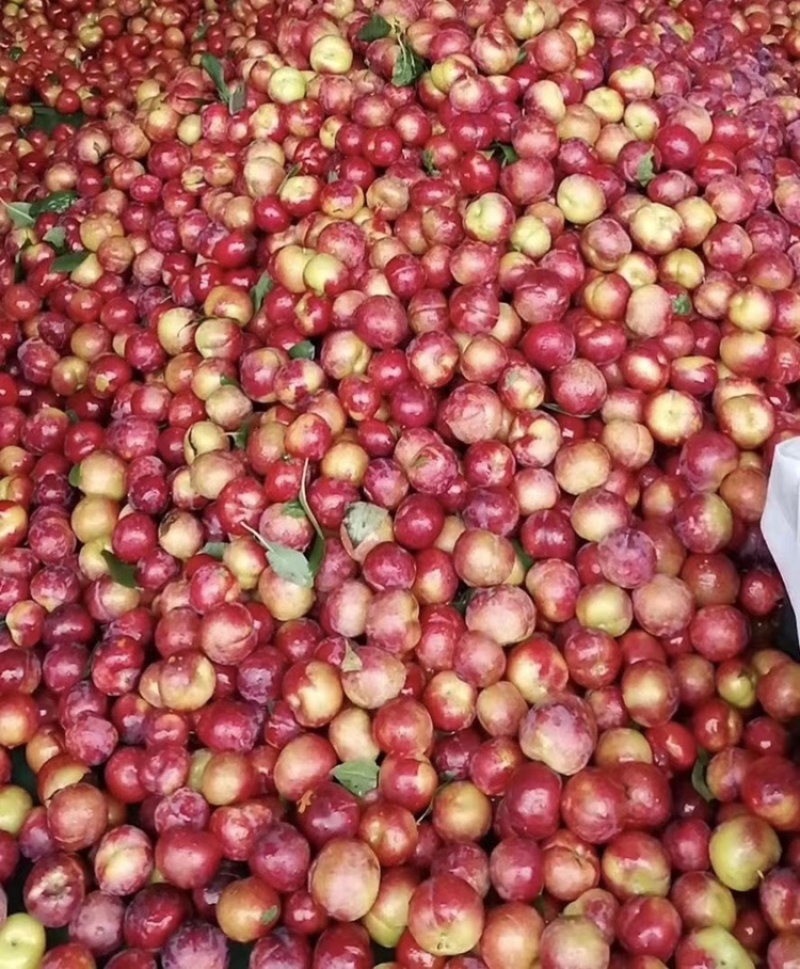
[(780, 522)]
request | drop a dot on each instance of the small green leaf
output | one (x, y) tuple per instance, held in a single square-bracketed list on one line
[(69, 261), (20, 214), (682, 305), (241, 437), (317, 555), (506, 154), (553, 408), (58, 202), (293, 509), (237, 99), (72, 417), (352, 662), (374, 29), (201, 33), (121, 572), (646, 172), (408, 68), (228, 381), (262, 288), (699, 782), (75, 476), (428, 163), (15, 53), (523, 556), (268, 917), (57, 237), (215, 549), (363, 520), (303, 498), (357, 776), (286, 563), (463, 599), (215, 70), (303, 351), (522, 57)]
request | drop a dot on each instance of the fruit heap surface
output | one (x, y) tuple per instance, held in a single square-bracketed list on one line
[(388, 394)]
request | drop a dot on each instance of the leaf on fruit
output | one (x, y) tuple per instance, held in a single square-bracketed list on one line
[(303, 351), (237, 99), (57, 237), (303, 499), (75, 476), (699, 782), (241, 437), (70, 261), (286, 563), (58, 202), (317, 555), (228, 381), (20, 214), (375, 28), (352, 662), (120, 572), (682, 305), (505, 154), (47, 119), (429, 164), (201, 33), (525, 559), (357, 776), (215, 549), (72, 417), (408, 67), (213, 67), (15, 53), (646, 172), (553, 408), (270, 915), (293, 509), (463, 599), (363, 520), (261, 290), (522, 57)]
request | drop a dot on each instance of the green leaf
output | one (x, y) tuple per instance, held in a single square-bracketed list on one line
[(522, 555), (268, 917), (72, 417), (228, 381), (352, 662), (293, 509), (522, 57), (47, 119), (15, 53), (59, 202), (374, 29), (699, 782), (75, 476), (262, 288), (506, 154), (363, 520), (303, 498), (357, 776), (428, 164), (303, 351), (57, 237), (20, 214), (121, 572), (317, 555), (408, 68), (215, 70), (286, 563), (69, 261), (682, 305), (241, 437), (215, 549), (463, 599), (201, 33), (237, 99), (646, 172), (553, 408)]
